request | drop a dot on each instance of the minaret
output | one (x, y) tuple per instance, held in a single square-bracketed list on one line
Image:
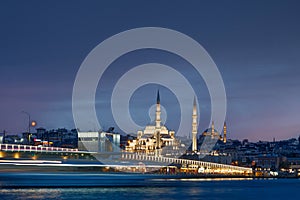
[(157, 117), (224, 132), (212, 129), (194, 127)]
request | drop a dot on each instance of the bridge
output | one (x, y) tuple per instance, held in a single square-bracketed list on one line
[(185, 164), (205, 167)]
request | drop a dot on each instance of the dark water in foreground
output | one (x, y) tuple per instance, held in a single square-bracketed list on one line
[(170, 189)]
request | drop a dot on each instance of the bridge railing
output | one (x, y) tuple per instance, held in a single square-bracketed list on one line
[(143, 157), (29, 148)]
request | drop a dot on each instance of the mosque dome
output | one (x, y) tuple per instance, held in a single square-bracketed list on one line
[(210, 132)]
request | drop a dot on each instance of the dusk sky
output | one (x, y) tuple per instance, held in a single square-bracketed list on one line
[(255, 45)]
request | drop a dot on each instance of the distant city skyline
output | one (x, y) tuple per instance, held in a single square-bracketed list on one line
[(255, 45)]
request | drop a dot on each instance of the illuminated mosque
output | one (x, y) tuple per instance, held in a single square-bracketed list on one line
[(157, 139), (154, 137), (213, 133)]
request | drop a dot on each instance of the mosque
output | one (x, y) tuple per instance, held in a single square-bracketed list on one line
[(213, 133), (154, 138), (157, 139)]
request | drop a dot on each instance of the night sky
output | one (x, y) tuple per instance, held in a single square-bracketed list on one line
[(255, 45)]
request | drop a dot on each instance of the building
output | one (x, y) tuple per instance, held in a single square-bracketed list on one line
[(40, 132), (98, 141), (210, 138), (212, 132), (2, 136), (268, 162), (155, 138)]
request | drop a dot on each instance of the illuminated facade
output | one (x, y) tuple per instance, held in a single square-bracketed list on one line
[(214, 134), (158, 139), (154, 137), (225, 133), (209, 138), (194, 127)]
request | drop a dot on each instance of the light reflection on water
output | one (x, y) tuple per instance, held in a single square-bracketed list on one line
[(209, 179), (30, 193), (89, 193), (221, 189)]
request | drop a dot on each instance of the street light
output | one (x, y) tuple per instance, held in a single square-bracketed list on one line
[(30, 123), (33, 123)]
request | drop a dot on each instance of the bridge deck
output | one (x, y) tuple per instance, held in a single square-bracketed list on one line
[(203, 164), (130, 156)]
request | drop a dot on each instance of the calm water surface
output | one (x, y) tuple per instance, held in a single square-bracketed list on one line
[(170, 189)]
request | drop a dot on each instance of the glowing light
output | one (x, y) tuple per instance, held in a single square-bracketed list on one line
[(17, 155), (33, 123)]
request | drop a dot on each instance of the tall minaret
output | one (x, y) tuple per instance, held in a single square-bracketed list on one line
[(157, 117), (212, 129), (224, 132), (194, 126)]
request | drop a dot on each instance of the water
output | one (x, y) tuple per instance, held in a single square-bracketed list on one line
[(170, 189)]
